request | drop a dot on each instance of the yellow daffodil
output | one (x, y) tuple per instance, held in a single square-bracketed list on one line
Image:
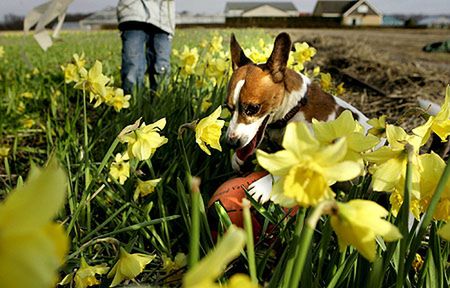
[(256, 56), (205, 273), (390, 162), (2, 52), (4, 151), (32, 246), (347, 127), (358, 222), (21, 107), (170, 265), (340, 89), (27, 123), (439, 124), (120, 168), (27, 95), (93, 81), (444, 232), (316, 71), (325, 81), (144, 188), (206, 103), (128, 266), (143, 141), (216, 44), (305, 168), (174, 268), (85, 276), (70, 73), (432, 168), (35, 71), (203, 43), (118, 100), (261, 43), (302, 53), (208, 131), (216, 68), (79, 60), (189, 59), (378, 126)]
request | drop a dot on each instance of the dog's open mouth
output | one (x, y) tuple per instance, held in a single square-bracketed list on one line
[(246, 151)]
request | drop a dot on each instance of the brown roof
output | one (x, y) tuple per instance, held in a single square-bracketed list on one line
[(334, 7)]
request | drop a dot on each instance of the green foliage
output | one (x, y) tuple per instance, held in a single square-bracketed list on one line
[(100, 212)]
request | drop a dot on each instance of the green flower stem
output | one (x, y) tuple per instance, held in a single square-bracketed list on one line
[(306, 237), (194, 184), (109, 153), (428, 216), (293, 249), (87, 176), (99, 227), (161, 206), (404, 214), (250, 245)]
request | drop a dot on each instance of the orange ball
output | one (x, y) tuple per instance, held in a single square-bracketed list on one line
[(230, 195)]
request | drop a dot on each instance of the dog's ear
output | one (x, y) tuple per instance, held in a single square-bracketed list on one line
[(238, 57), (277, 61)]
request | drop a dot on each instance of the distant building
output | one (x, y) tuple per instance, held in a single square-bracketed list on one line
[(260, 9), (389, 20), (435, 22), (107, 18), (100, 19), (187, 18), (353, 12)]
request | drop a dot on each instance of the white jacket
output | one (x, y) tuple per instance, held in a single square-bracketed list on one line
[(160, 13)]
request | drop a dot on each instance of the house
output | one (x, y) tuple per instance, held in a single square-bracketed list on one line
[(186, 18), (392, 21), (353, 12), (260, 9), (435, 22), (100, 19)]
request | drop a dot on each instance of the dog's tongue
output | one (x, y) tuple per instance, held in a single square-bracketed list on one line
[(244, 152)]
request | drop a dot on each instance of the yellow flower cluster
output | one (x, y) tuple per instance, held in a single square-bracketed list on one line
[(310, 163), (327, 84), (211, 63), (95, 83), (388, 167)]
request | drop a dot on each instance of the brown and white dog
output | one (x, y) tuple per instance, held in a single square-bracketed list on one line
[(264, 97)]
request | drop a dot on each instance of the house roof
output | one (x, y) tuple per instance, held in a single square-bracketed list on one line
[(333, 7), (246, 6)]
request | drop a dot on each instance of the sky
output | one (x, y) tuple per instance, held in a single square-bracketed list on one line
[(21, 7)]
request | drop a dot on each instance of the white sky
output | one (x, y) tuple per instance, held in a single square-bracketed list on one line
[(21, 7)]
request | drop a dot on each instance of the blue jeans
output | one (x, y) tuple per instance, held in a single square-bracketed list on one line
[(144, 50)]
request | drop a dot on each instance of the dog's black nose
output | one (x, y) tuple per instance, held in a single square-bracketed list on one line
[(233, 142)]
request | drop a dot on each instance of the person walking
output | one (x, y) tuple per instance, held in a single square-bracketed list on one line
[(147, 28)]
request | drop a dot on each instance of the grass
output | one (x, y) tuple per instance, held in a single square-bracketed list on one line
[(101, 213)]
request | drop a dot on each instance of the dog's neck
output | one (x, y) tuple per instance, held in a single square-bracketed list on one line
[(291, 100)]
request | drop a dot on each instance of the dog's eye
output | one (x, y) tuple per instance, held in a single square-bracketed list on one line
[(252, 109)]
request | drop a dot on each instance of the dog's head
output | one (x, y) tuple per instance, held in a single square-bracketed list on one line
[(255, 92)]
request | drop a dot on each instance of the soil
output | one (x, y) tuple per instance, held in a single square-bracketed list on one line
[(385, 71)]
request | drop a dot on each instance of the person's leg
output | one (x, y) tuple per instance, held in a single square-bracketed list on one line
[(133, 59), (159, 49)]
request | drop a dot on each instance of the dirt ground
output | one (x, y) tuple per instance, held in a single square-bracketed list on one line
[(385, 70)]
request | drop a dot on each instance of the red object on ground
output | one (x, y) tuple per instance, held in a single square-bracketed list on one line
[(230, 195)]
